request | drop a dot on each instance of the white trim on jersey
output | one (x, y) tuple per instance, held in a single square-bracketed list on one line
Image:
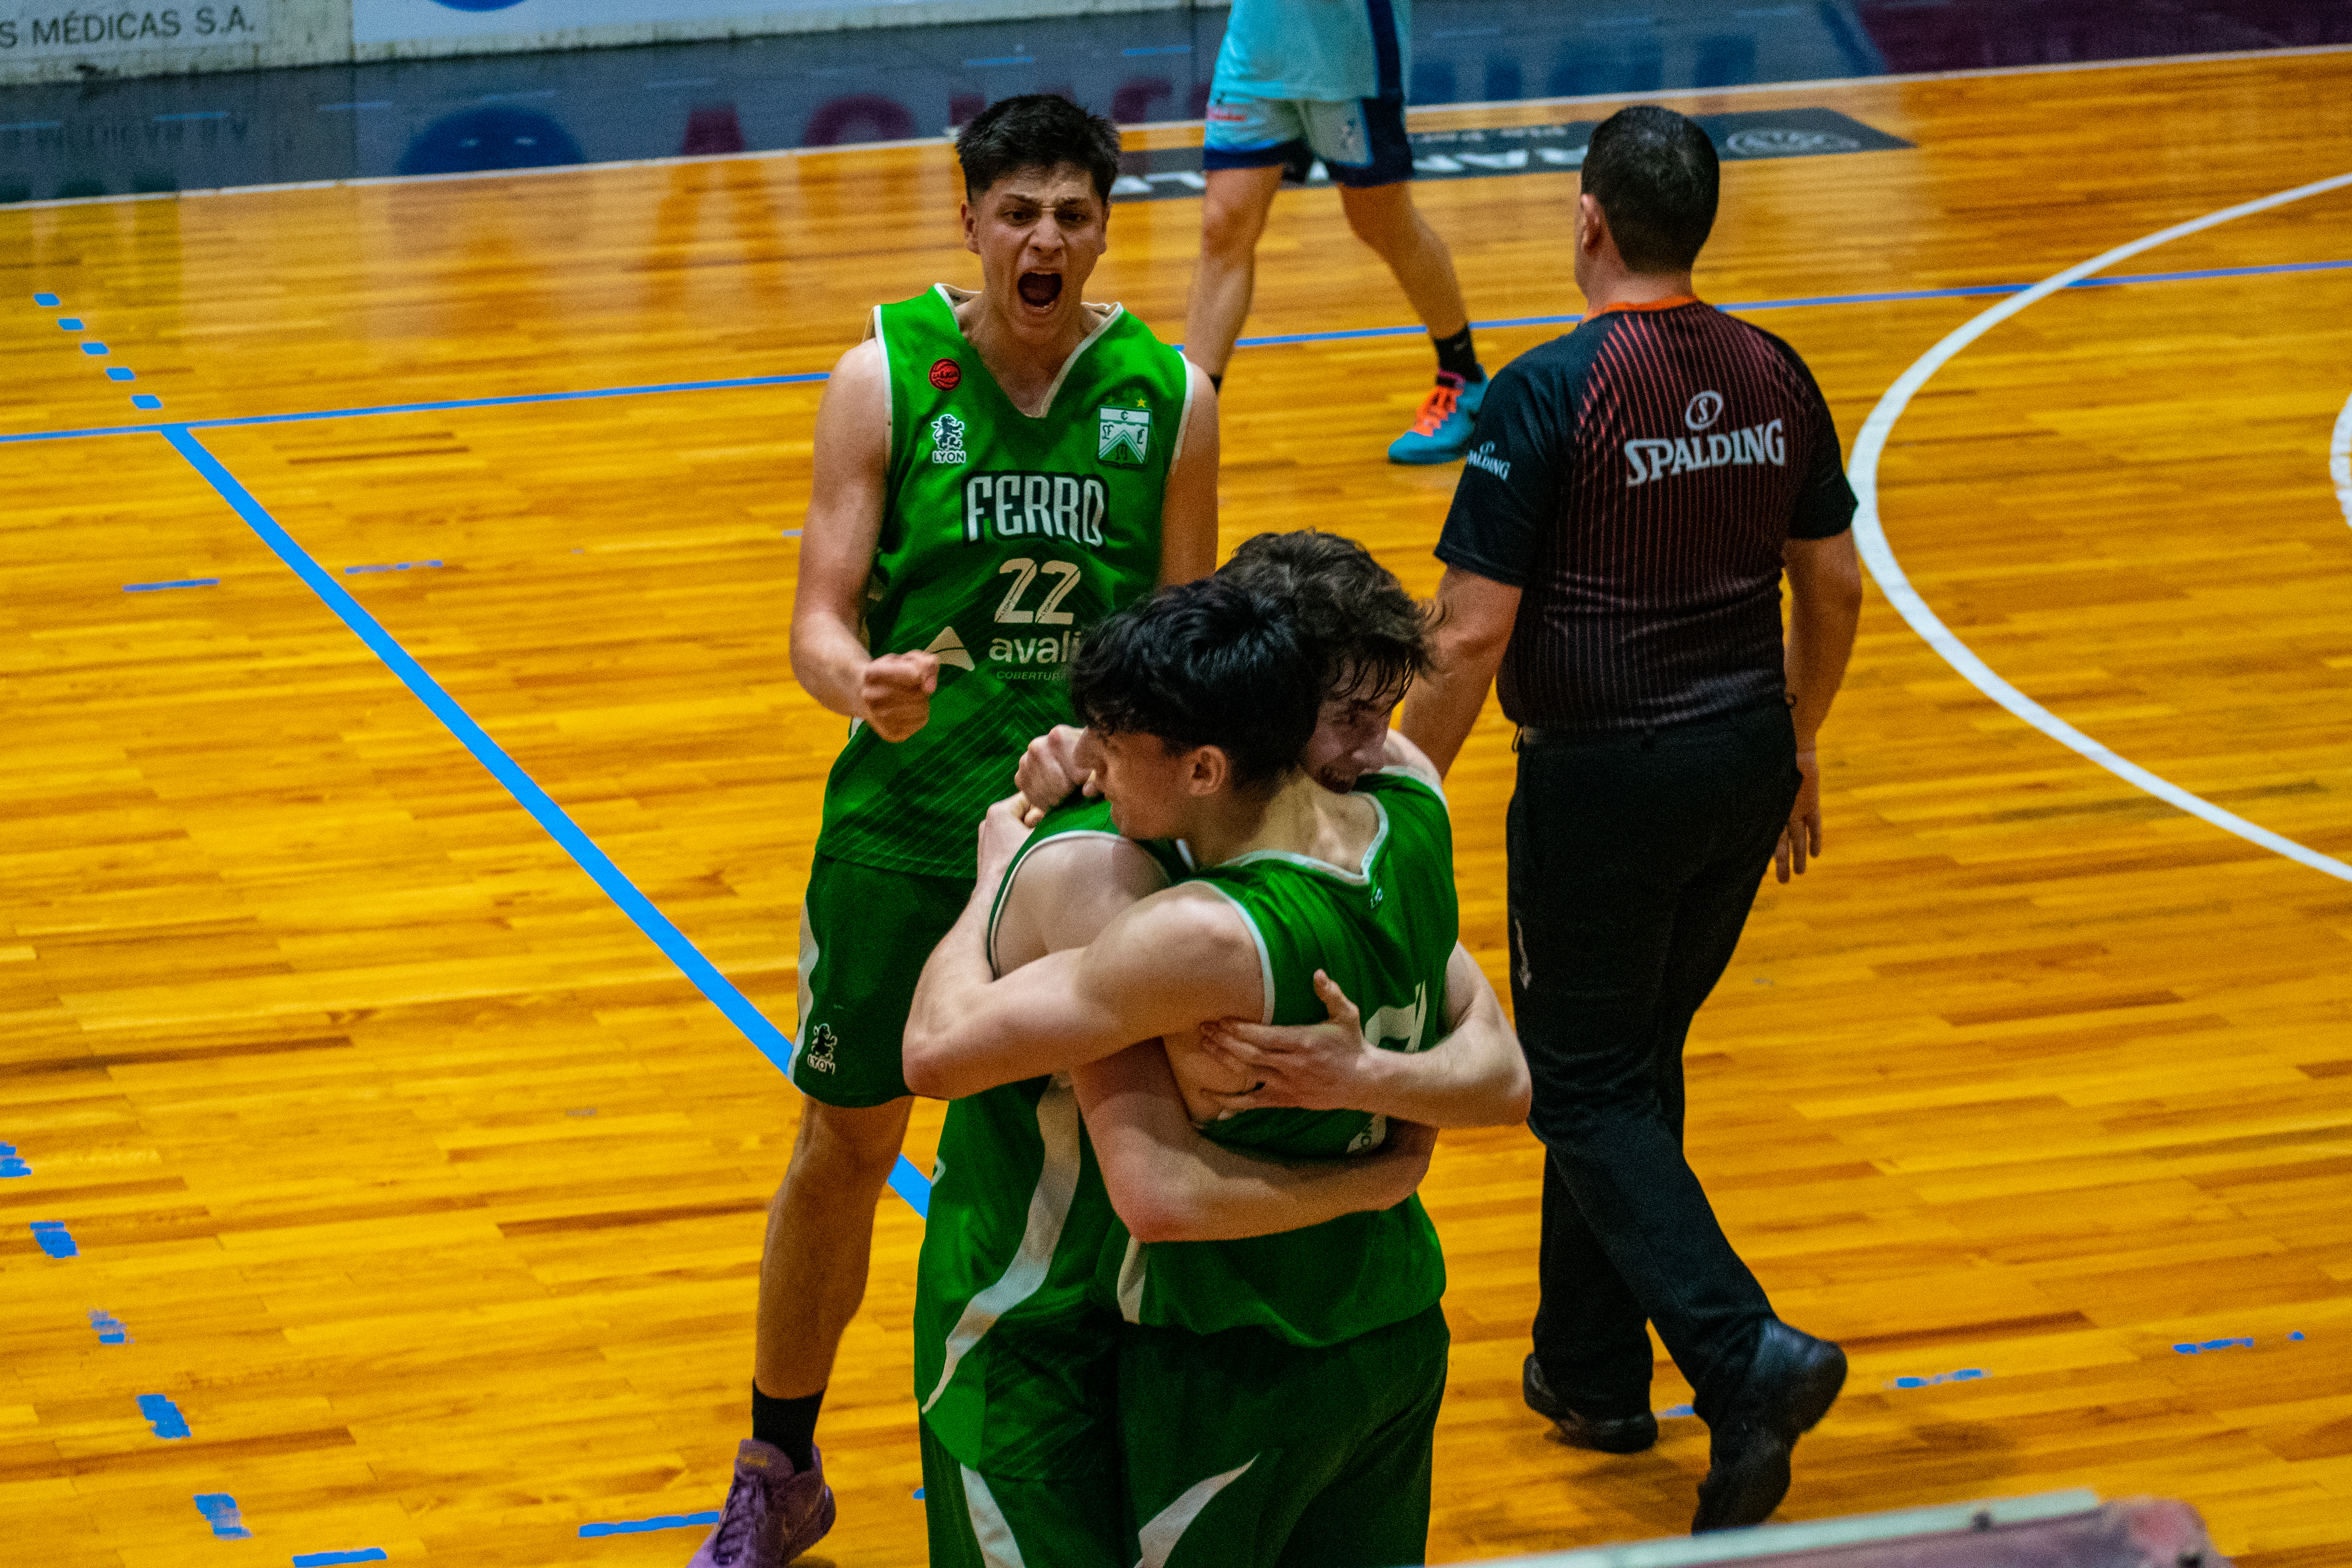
[(1159, 1538), (1360, 877), (1266, 959), (1049, 1210), (998, 1548)]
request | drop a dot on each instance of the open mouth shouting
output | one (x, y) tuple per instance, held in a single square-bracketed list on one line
[(1041, 289)]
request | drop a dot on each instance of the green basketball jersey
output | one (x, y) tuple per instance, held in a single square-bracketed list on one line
[(1013, 1335), (1003, 538), (1384, 932)]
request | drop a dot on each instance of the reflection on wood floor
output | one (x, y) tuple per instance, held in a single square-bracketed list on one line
[(429, 1193)]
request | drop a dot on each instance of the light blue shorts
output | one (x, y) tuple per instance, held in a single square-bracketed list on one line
[(1361, 140)]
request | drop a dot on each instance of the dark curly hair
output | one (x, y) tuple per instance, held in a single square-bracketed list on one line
[(1208, 663), (1374, 636), (1036, 131)]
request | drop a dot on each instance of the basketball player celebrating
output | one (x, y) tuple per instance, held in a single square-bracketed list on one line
[(1275, 1387), (1014, 1341), (994, 472)]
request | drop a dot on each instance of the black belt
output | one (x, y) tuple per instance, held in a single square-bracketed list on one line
[(1546, 735)]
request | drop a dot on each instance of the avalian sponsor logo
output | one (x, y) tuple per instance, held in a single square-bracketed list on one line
[(1655, 458)]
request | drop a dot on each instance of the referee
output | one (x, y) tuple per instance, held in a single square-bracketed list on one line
[(1635, 492)]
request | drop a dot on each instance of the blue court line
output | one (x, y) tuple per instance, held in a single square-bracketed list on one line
[(642, 1526), (328, 1559), (163, 1415), (174, 583), (1972, 291), (1966, 1375), (13, 1163), (219, 1509), (771, 1042), (55, 1238), (440, 407)]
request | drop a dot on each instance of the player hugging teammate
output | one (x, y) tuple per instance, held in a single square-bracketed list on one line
[(1176, 1301)]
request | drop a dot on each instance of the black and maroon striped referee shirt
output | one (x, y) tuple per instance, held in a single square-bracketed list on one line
[(1638, 479)]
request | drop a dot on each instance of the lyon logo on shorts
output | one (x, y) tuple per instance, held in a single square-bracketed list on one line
[(1127, 428), (820, 1051)]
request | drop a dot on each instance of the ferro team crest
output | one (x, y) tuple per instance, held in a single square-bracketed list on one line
[(1123, 428)]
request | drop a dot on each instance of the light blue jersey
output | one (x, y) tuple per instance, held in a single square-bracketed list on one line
[(1326, 51)]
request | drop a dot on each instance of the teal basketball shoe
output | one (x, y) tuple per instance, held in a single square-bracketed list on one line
[(1441, 430)]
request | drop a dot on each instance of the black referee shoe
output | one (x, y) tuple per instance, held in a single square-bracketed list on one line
[(1790, 1385), (1619, 1435)]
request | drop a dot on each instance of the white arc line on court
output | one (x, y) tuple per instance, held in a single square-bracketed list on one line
[(2339, 459), (1872, 538)]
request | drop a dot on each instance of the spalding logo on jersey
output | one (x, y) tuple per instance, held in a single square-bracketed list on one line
[(947, 434), (1125, 430)]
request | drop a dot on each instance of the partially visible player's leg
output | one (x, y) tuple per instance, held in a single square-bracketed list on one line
[(1231, 1439), (1233, 217), (1247, 142), (863, 936), (1364, 146), (979, 1521), (1377, 1511)]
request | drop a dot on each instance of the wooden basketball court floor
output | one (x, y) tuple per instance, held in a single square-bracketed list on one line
[(420, 1188)]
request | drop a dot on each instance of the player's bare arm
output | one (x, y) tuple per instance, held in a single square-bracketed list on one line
[(1177, 1184), (1475, 1077), (1169, 1183), (1475, 628), (1187, 511), (1163, 966), (1824, 608), (830, 659)]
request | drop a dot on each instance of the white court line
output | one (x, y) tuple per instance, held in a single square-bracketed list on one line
[(2339, 459), (1872, 536)]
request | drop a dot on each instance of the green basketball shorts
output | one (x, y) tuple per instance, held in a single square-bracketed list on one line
[(865, 934), (1246, 1451), (991, 1521)]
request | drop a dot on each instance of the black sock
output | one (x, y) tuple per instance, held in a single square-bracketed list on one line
[(1216, 381), (789, 1424), (1456, 354)]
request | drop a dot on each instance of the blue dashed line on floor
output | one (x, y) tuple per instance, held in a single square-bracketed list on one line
[(2198, 1349), (13, 1163), (1966, 1375), (117, 373), (919, 1494), (93, 348), (641, 1526), (55, 1239), (47, 301), (143, 400), (174, 583), (163, 1415), (70, 323), (111, 1330), (219, 1509), (328, 1559), (395, 566), (1669, 1414)]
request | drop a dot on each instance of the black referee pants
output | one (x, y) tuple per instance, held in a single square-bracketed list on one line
[(1635, 859)]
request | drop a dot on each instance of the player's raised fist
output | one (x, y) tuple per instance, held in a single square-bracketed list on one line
[(1050, 768), (894, 695)]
